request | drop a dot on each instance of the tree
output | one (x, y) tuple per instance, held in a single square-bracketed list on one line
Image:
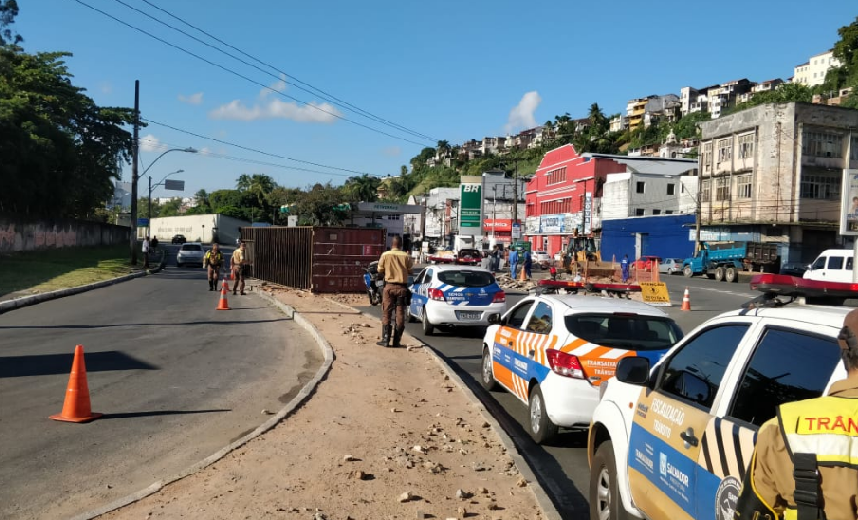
[(361, 189), (201, 198), (786, 93), (443, 148), (318, 206), (8, 12)]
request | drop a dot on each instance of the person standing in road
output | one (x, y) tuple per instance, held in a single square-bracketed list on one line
[(527, 264), (213, 261), (805, 465), (513, 263), (238, 264), (394, 266), (145, 249), (495, 259), (624, 266), (154, 244)]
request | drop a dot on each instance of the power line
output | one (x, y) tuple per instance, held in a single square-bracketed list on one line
[(297, 82), (242, 76)]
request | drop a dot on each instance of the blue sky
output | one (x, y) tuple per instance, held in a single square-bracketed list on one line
[(446, 69)]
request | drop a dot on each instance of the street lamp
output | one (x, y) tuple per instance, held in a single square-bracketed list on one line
[(155, 186)]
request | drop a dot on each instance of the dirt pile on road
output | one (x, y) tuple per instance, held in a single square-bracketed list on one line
[(386, 435)]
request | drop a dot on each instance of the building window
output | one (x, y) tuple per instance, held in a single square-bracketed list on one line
[(853, 154), (822, 144), (640, 186), (725, 150), (820, 186), (746, 146), (656, 212), (639, 212), (743, 186), (707, 156), (393, 217), (722, 188), (671, 189), (668, 212), (556, 176), (705, 191)]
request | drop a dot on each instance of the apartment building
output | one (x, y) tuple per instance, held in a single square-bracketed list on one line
[(774, 172), (649, 186), (813, 71), (765, 86), (635, 110), (618, 124), (713, 99), (646, 111)]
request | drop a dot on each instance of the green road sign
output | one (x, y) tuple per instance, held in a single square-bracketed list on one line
[(471, 206)]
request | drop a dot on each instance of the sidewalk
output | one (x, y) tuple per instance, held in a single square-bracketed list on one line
[(387, 434)]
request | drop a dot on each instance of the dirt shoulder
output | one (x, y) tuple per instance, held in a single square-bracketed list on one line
[(386, 435)]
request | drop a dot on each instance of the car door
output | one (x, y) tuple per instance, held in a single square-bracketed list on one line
[(670, 419), (418, 292), (506, 362), (785, 365)]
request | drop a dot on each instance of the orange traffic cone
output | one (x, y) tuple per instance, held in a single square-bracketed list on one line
[(223, 305), (686, 302), (522, 276), (76, 407), (225, 285)]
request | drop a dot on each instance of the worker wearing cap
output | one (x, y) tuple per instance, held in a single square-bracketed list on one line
[(394, 266), (805, 466)]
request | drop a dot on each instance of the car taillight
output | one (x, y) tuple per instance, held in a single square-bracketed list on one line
[(499, 297), (436, 294), (564, 364)]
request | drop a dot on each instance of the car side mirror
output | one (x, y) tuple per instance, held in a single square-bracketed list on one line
[(633, 370), (495, 319)]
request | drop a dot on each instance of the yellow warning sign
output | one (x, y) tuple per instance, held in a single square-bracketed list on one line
[(655, 294)]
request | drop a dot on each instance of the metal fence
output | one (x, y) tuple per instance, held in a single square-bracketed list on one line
[(322, 259)]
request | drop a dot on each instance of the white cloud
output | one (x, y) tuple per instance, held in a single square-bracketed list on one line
[(392, 151), (205, 150), (279, 86), (150, 143), (276, 109), (106, 87), (521, 116), (193, 99)]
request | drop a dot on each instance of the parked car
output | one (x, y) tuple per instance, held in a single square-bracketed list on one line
[(190, 253), (793, 269), (832, 265), (676, 435), (646, 262), (179, 239), (670, 265), (442, 256), (541, 259), (469, 257), (451, 295), (552, 352)]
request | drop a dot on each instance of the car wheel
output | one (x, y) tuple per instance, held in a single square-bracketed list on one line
[(730, 275), (428, 328), (605, 502), (487, 378), (541, 428), (687, 272), (719, 274)]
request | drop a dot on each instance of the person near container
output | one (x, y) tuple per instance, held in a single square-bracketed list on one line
[(624, 267), (495, 256), (238, 264), (394, 266), (213, 262), (513, 263), (145, 249), (805, 464), (527, 265)]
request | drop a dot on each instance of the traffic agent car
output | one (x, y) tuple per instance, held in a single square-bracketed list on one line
[(552, 352), (449, 295), (673, 439)]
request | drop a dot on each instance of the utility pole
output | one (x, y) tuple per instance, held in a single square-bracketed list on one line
[(423, 220), (135, 149)]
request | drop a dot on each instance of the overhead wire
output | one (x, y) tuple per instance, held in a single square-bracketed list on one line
[(242, 76)]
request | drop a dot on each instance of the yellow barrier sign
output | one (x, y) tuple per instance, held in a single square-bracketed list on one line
[(655, 294)]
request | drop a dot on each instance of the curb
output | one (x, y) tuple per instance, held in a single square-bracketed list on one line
[(10, 305), (548, 510), (284, 412)]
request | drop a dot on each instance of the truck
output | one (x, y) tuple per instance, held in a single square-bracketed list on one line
[(724, 260)]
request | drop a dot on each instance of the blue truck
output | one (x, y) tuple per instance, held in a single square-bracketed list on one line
[(724, 260)]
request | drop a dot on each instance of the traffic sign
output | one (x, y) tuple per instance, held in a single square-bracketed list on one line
[(516, 230), (142, 222), (655, 294)]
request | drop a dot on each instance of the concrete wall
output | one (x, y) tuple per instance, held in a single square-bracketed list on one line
[(17, 234), (196, 228)]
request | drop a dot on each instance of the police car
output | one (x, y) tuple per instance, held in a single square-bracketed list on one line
[(553, 352), (673, 439), (450, 295)]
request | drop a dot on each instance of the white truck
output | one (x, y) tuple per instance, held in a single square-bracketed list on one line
[(674, 440)]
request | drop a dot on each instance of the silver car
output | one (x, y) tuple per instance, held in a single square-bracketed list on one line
[(670, 265), (190, 253)]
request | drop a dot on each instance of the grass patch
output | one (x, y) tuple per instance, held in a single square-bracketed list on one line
[(42, 271)]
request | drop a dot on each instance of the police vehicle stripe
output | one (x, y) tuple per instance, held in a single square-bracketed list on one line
[(614, 353), (584, 349), (726, 448), (720, 441)]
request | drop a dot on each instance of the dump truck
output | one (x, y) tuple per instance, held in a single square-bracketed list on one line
[(724, 260)]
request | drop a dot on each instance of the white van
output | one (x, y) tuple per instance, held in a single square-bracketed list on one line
[(832, 265)]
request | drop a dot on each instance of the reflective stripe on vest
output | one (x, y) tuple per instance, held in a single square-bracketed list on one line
[(826, 427)]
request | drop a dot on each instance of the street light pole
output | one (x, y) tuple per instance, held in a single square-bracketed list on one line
[(155, 186)]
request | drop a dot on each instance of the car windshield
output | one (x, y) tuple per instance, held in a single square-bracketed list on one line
[(628, 331), (192, 247), (466, 278)]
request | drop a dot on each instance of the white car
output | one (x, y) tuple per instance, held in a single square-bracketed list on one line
[(670, 265), (190, 253), (553, 352), (455, 295), (673, 438), (542, 259)]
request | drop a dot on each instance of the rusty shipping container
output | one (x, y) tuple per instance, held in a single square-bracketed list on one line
[(323, 259)]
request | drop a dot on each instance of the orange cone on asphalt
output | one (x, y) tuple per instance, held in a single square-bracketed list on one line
[(686, 302), (223, 305), (225, 285), (76, 407), (522, 276)]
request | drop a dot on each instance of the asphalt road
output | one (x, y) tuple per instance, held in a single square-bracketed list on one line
[(562, 467), (176, 379)]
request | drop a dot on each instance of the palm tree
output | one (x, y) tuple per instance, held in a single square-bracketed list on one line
[(361, 189), (202, 199), (443, 148), (243, 183)]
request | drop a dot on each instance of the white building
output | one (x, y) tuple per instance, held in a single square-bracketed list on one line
[(650, 186), (813, 71)]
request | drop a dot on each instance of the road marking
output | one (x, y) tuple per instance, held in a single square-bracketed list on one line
[(722, 291)]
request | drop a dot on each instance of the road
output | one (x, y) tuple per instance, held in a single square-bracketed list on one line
[(562, 467), (176, 379)]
